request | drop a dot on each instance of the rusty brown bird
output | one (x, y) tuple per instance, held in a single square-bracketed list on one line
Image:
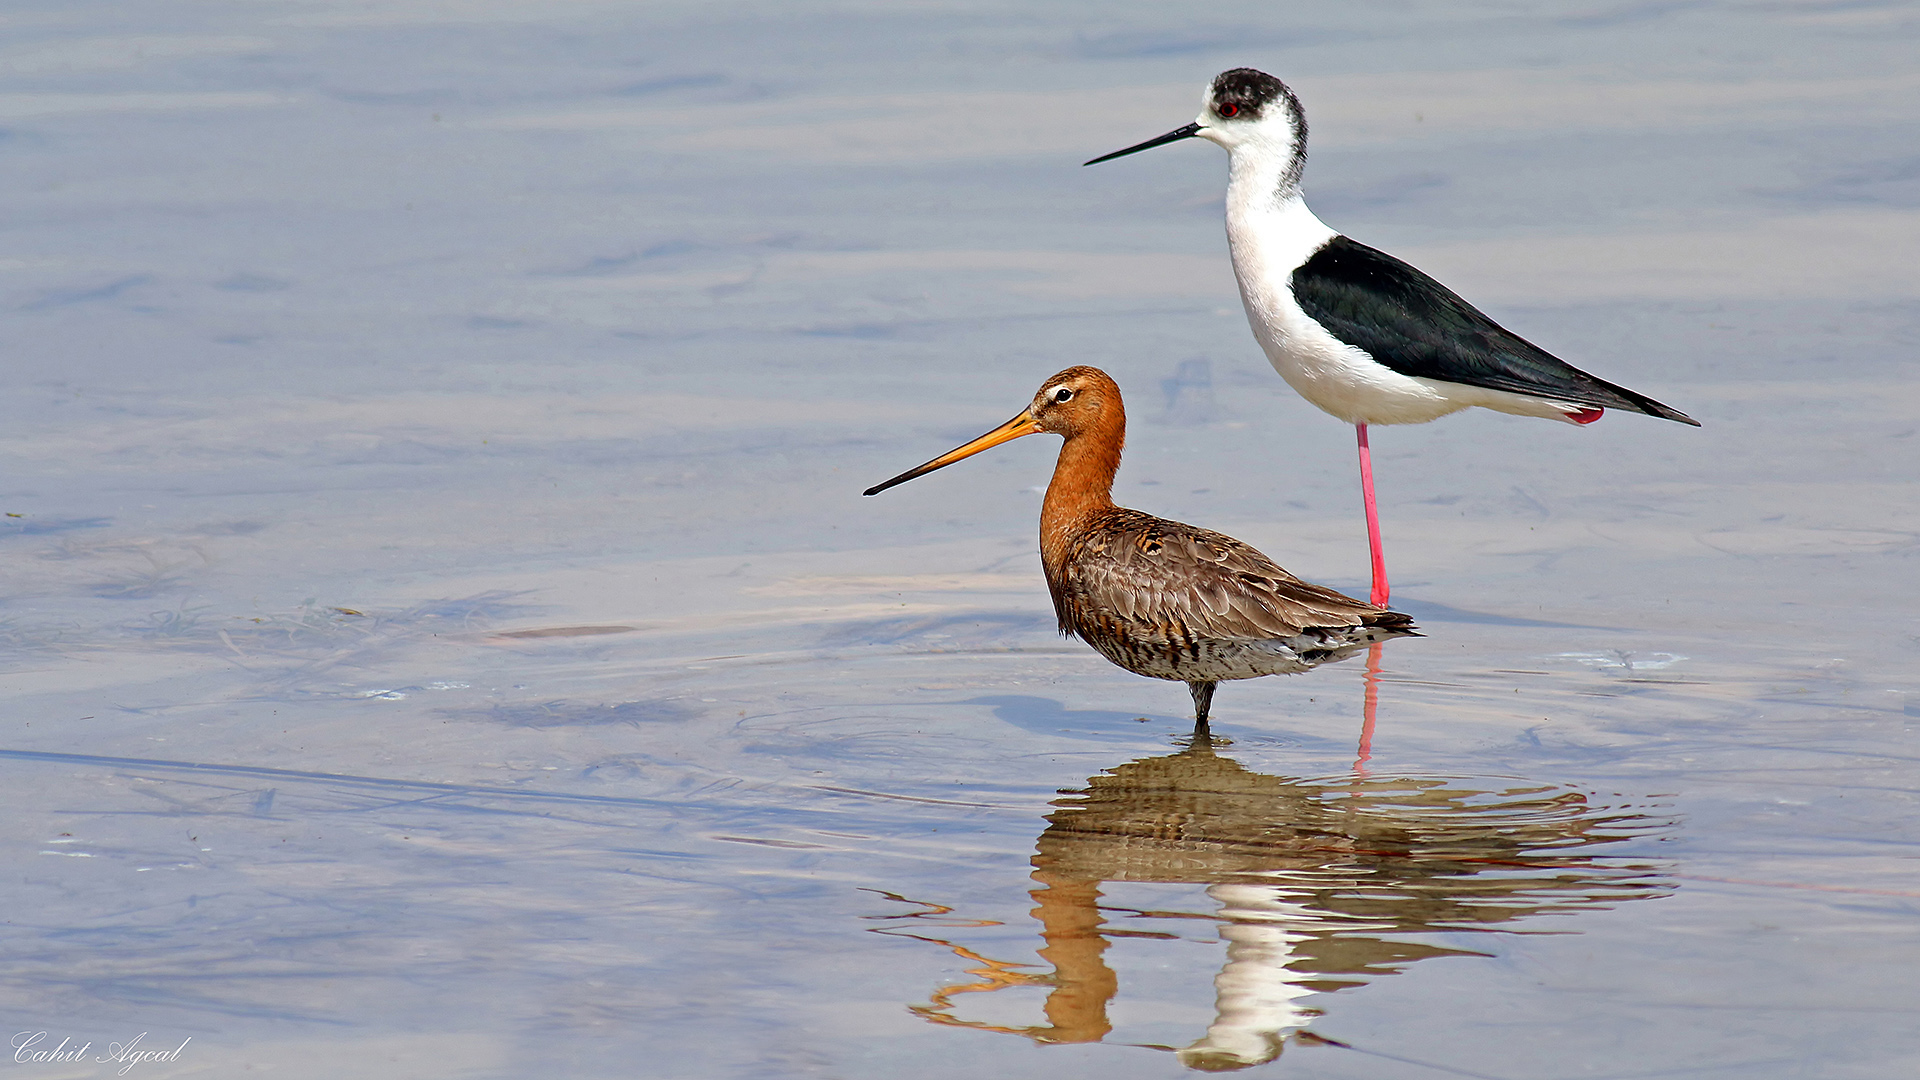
[(1157, 597)]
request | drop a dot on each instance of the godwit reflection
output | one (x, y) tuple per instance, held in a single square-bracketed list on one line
[(1318, 885)]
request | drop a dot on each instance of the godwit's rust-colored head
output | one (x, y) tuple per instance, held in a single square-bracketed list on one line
[(1075, 401)]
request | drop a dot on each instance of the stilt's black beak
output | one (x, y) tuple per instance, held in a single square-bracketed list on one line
[(1175, 135)]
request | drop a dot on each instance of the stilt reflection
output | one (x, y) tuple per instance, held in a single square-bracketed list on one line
[(1317, 886), (1369, 709)]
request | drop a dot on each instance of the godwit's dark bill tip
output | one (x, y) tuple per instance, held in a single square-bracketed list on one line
[(901, 479), (1175, 135)]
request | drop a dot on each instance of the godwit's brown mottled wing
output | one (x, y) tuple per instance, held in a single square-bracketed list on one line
[(1176, 601)]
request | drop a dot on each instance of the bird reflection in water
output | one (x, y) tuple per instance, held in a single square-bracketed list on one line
[(1320, 885)]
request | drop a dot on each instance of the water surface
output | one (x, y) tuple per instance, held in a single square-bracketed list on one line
[(442, 635)]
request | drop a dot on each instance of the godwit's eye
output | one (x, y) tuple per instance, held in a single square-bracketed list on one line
[(1227, 108), (1062, 396)]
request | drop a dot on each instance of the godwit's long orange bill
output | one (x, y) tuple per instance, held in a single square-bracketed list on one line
[(1024, 424)]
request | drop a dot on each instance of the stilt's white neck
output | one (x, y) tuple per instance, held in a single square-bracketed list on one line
[(1268, 222), (1262, 175)]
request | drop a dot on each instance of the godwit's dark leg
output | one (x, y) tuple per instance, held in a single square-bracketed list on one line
[(1202, 701), (1380, 593)]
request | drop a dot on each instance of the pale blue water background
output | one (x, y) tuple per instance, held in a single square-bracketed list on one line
[(347, 340)]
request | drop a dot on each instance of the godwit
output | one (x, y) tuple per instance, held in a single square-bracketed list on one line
[(1159, 598), (1356, 331)]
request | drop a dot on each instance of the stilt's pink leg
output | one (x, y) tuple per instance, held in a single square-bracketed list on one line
[(1380, 594)]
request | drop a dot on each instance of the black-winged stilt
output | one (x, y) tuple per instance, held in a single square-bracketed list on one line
[(1356, 331)]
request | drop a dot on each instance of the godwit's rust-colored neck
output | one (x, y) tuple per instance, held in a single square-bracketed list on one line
[(1082, 481)]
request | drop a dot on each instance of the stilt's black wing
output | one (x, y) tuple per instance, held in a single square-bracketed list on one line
[(1418, 327)]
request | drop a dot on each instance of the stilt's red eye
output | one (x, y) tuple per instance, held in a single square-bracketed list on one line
[(1227, 108)]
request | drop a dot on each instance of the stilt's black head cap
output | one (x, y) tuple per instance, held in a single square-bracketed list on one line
[(1244, 93)]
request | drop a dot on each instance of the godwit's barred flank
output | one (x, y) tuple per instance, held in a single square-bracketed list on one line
[(1356, 331), (1159, 598)]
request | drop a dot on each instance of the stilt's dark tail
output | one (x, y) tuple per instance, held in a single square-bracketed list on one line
[(1202, 701), (1641, 403)]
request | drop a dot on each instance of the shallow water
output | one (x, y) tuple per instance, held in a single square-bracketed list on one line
[(443, 637)]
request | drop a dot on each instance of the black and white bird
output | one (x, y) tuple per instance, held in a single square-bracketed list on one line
[(1354, 330)]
